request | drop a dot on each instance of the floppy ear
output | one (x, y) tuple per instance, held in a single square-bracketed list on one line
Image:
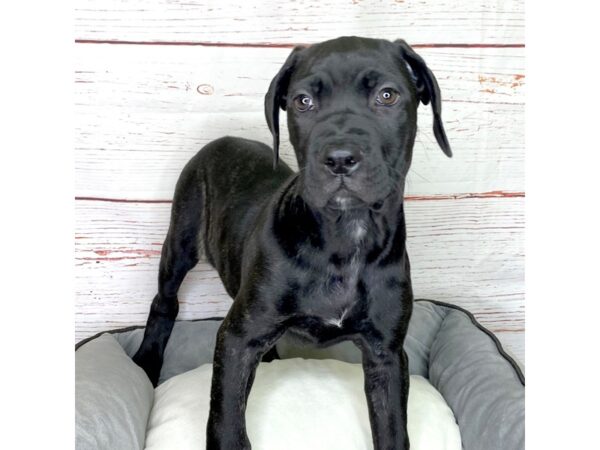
[(276, 98), (427, 90)]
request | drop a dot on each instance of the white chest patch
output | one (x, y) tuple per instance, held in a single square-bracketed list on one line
[(338, 321), (358, 230)]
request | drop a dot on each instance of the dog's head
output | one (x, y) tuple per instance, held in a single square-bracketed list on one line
[(352, 117)]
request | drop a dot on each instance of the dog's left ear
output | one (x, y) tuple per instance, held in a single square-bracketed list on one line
[(427, 90), (276, 98)]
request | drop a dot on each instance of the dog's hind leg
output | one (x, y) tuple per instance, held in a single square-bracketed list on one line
[(180, 253)]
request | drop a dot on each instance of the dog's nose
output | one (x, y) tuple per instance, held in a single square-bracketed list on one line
[(342, 161)]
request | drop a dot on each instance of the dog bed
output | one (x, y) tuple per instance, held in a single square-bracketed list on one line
[(464, 389)]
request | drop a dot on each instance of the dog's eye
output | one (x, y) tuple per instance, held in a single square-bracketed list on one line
[(387, 97), (303, 103)]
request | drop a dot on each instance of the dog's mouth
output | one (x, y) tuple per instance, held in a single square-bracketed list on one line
[(342, 193), (344, 198)]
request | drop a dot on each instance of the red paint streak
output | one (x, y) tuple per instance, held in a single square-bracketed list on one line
[(490, 194), (515, 81), (483, 79), (468, 46), (189, 43), (120, 258), (278, 45), (131, 255), (146, 253)]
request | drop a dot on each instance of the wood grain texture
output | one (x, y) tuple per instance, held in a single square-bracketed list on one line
[(463, 251), (142, 112), (300, 21)]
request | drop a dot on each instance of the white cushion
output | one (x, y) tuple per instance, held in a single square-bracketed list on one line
[(297, 404)]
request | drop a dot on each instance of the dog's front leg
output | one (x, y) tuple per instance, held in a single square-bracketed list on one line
[(241, 343), (386, 387)]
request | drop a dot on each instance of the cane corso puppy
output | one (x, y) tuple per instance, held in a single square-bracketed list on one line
[(319, 252)]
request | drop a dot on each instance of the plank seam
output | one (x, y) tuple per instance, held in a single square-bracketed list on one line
[(279, 45), (479, 195)]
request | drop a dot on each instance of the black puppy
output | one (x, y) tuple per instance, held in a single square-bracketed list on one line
[(320, 253)]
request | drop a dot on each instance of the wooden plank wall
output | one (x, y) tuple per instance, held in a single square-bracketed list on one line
[(157, 79)]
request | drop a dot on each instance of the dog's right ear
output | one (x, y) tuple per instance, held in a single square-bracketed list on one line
[(276, 98)]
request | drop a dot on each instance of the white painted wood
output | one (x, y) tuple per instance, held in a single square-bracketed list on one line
[(143, 111), (306, 21), (468, 252)]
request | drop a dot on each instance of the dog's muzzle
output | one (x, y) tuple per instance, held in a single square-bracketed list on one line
[(342, 161)]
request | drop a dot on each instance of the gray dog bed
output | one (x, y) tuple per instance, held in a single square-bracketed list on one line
[(482, 385)]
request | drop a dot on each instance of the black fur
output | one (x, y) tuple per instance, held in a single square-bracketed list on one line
[(320, 253)]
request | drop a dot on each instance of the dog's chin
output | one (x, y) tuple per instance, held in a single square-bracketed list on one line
[(339, 196), (344, 203), (343, 200)]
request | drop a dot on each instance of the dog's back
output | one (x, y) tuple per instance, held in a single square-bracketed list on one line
[(228, 182)]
